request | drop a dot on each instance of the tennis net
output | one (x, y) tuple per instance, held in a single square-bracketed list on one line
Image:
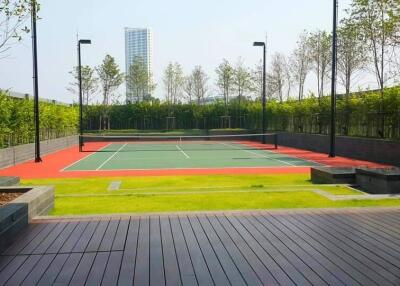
[(126, 143)]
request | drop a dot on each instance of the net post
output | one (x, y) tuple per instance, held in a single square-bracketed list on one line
[(276, 140), (80, 143)]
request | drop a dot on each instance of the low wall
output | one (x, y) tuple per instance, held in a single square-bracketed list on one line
[(375, 150), (16, 215), (18, 154)]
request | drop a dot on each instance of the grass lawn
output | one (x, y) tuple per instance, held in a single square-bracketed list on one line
[(195, 193)]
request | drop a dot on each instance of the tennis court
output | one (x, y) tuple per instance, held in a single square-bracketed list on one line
[(178, 154)]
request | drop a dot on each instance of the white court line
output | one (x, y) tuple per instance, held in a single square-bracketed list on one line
[(260, 155), (80, 160), (113, 155), (183, 152)]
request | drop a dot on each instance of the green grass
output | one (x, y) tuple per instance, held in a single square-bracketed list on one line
[(195, 193)]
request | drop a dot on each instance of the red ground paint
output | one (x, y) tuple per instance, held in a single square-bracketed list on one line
[(53, 164)]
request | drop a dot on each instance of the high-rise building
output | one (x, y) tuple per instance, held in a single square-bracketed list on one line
[(138, 46)]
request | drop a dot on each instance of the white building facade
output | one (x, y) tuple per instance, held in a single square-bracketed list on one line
[(138, 44)]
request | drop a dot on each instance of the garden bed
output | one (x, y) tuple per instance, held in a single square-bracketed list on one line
[(7, 197)]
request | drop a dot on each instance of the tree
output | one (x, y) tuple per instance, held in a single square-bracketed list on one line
[(276, 77), (377, 25), (188, 88), (241, 79), (200, 87), (110, 79), (320, 45), (301, 63), (225, 81), (352, 54), (13, 14), (139, 82), (90, 83), (256, 86), (174, 82)]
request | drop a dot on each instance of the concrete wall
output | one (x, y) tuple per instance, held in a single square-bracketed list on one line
[(375, 150), (18, 154)]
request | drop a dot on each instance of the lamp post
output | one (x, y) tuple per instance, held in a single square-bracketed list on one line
[(35, 82), (264, 100), (81, 42), (332, 152)]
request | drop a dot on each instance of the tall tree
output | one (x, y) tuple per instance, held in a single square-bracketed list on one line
[(301, 63), (241, 79), (173, 82), (377, 23), (188, 88), (110, 79), (320, 45), (200, 87), (257, 80), (352, 54), (225, 81), (13, 15), (139, 82), (90, 83), (276, 76)]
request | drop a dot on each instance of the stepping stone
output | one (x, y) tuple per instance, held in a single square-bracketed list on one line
[(114, 186)]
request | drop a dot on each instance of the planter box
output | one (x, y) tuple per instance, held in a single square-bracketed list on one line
[(379, 181), (325, 175), (9, 181), (16, 215)]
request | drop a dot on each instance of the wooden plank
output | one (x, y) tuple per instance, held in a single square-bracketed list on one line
[(62, 238), (156, 253), (235, 265), (5, 260), (212, 261), (83, 241), (38, 270), (11, 268), (200, 267), (375, 234), (83, 269), (257, 265), (31, 246), (109, 235), (350, 256), (129, 257), (142, 267), (68, 269), (23, 270), (321, 265), (112, 270), (120, 237), (97, 236), (49, 239), (51, 273), (188, 275), (265, 257), (373, 258), (172, 273), (295, 275), (24, 238), (74, 237), (97, 271), (381, 220)]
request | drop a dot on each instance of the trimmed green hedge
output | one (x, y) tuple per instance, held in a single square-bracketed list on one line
[(17, 120)]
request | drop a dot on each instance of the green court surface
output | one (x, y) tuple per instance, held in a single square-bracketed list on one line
[(183, 155)]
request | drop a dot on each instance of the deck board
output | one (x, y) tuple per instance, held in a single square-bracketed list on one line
[(310, 247)]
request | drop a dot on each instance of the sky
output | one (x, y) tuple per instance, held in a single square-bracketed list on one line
[(195, 32)]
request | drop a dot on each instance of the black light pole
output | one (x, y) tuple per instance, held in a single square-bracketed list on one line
[(84, 42), (332, 152), (264, 99), (35, 82)]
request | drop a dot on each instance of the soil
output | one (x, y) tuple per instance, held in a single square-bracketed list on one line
[(8, 197)]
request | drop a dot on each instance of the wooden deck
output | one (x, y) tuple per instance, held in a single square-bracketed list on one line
[(340, 247)]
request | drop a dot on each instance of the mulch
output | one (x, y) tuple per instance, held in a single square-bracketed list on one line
[(8, 197)]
